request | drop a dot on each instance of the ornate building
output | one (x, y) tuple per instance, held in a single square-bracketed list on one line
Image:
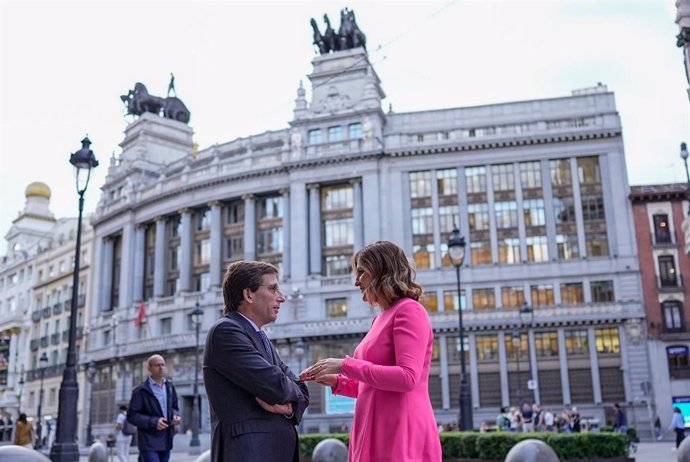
[(658, 214), (538, 188)]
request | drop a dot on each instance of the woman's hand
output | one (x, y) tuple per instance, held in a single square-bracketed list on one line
[(321, 368), (328, 380), (282, 409)]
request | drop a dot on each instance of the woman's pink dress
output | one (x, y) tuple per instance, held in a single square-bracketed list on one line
[(389, 376)]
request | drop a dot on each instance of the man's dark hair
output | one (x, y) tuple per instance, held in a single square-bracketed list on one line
[(240, 275), (123, 407)]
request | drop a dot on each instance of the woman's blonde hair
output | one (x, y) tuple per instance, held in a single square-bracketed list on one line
[(392, 275)]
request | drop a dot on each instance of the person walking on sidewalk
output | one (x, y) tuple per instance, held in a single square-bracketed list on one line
[(153, 409), (677, 425), (24, 434), (122, 441)]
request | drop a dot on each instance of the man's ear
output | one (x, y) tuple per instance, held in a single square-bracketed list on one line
[(248, 295)]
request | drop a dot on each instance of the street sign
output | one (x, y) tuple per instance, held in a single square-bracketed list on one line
[(532, 384)]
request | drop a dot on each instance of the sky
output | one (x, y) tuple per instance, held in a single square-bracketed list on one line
[(237, 66)]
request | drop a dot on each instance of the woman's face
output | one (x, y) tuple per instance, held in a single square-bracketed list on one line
[(362, 281)]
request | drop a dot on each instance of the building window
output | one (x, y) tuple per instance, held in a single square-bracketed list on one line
[(165, 326), (202, 282), (423, 256), (512, 297), (270, 240), (546, 344), (429, 300), (487, 347), (483, 299), (338, 265), (234, 248), (480, 252), (506, 214), (354, 130), (202, 252), (447, 182), (335, 133), (530, 175), (593, 208), (533, 211), (234, 213), (336, 307), (597, 245), (337, 198), (450, 300), (602, 291), (560, 172), (509, 251), (673, 315), (422, 220), (270, 207), (542, 295), (503, 176), (337, 206), (567, 246), (564, 209), (607, 340), (517, 341), (420, 184), (537, 249), (447, 217), (315, 136), (588, 170), (572, 294), (662, 231), (678, 364), (339, 232), (203, 219), (577, 342), (667, 271), (478, 216), (476, 179)]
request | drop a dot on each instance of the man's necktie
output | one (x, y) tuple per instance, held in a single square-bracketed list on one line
[(266, 342)]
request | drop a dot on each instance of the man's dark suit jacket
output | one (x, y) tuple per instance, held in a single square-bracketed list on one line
[(144, 411), (236, 370)]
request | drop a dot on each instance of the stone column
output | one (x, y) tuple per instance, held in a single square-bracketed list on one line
[(503, 369), (159, 259), (533, 364), (285, 192), (127, 255), (249, 226), (107, 285), (594, 365), (563, 361), (216, 244), (299, 236), (314, 229), (186, 250), (139, 262), (357, 213), (473, 369), (445, 383)]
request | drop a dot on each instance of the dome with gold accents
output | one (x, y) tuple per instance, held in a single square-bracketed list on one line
[(37, 189)]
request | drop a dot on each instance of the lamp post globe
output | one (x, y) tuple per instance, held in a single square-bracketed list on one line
[(43, 361), (197, 316), (65, 448), (456, 253)]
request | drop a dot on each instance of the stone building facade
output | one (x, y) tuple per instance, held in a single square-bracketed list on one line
[(538, 188)]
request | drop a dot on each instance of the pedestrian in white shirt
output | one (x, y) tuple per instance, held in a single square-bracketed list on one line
[(677, 425), (122, 441)]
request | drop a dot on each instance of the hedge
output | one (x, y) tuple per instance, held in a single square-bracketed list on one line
[(496, 445)]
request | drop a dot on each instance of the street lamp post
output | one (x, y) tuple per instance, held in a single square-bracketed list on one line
[(44, 362), (65, 448), (517, 346), (456, 252), (684, 156), (90, 375), (194, 444), (20, 390)]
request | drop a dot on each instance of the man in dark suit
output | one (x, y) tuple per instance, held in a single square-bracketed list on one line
[(153, 409), (255, 400)]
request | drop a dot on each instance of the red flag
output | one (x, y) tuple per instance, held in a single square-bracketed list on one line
[(141, 314)]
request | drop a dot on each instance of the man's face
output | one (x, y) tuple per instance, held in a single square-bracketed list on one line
[(157, 368), (263, 305)]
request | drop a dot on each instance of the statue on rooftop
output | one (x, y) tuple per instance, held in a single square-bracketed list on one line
[(139, 101), (348, 36)]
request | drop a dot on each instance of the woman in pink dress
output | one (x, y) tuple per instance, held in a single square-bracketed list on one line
[(389, 372)]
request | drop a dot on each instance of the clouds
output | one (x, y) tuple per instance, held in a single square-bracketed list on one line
[(237, 67)]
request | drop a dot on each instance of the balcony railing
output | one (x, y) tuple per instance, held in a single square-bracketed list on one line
[(660, 240), (34, 344), (44, 341), (81, 300), (55, 339), (57, 308), (68, 304), (46, 312), (36, 316), (670, 284)]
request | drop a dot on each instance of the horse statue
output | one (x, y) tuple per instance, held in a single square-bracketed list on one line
[(350, 35), (329, 36), (139, 101), (318, 38)]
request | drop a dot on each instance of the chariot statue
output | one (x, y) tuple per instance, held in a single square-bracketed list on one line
[(139, 101), (348, 36)]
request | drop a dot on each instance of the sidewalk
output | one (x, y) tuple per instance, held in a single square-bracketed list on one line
[(180, 452)]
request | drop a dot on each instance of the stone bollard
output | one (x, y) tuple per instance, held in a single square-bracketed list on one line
[(330, 450), (531, 451), (14, 453), (684, 450), (204, 457), (98, 453)]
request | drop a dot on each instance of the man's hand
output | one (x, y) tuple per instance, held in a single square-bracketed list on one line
[(176, 420), (162, 424), (282, 409)]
